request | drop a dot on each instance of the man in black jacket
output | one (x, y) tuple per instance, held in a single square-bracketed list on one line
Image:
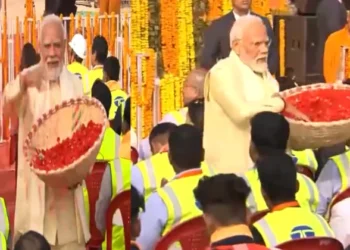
[(217, 36), (59, 7)]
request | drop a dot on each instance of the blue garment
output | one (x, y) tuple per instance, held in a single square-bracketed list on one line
[(328, 184), (153, 221), (137, 180)]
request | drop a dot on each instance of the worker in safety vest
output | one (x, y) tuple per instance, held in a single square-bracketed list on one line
[(174, 202), (137, 205), (111, 69), (269, 134), (99, 55), (332, 181), (116, 179), (148, 175), (77, 56), (305, 159), (4, 225), (192, 89), (287, 220), (31, 240), (222, 199)]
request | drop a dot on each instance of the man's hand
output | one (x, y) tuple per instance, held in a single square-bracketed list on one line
[(31, 77), (296, 113), (74, 186)]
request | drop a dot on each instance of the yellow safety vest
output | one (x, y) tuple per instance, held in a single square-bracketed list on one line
[(77, 69), (158, 167), (291, 223), (121, 180), (307, 195), (118, 98), (90, 77), (109, 146), (4, 220), (3, 242), (306, 158), (179, 200), (342, 162), (179, 116)]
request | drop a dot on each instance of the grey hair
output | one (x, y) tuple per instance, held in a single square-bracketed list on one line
[(241, 25), (196, 78), (51, 19)]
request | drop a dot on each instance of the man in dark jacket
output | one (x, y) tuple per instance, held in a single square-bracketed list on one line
[(59, 7), (217, 37)]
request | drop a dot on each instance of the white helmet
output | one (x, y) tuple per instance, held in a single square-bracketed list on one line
[(78, 45)]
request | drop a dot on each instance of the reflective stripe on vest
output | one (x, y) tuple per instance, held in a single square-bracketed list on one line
[(297, 223), (179, 116), (307, 159), (342, 163), (179, 200), (4, 220), (307, 195), (3, 244)]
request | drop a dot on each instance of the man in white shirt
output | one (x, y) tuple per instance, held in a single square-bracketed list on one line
[(217, 40)]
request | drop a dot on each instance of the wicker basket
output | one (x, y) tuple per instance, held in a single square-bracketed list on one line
[(314, 135), (62, 121)]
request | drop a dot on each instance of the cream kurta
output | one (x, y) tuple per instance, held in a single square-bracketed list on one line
[(233, 95), (52, 213)]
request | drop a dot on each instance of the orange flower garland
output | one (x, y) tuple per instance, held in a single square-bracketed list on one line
[(105, 28), (126, 53), (34, 31), (282, 47), (96, 26), (88, 40), (17, 46), (71, 26), (215, 9), (347, 64), (134, 92), (113, 34)]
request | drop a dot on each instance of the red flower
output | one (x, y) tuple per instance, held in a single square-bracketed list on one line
[(68, 150)]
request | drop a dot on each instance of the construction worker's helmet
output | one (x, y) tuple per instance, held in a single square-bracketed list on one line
[(78, 45)]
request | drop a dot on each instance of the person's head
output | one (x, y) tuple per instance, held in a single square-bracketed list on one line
[(159, 136), (194, 85), (78, 47), (195, 114), (137, 204), (126, 124), (269, 134), (101, 92), (186, 148), (278, 178), (111, 69), (99, 50), (222, 198), (32, 241), (52, 39), (241, 6), (29, 56), (249, 40)]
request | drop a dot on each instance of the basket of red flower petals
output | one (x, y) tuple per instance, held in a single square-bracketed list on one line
[(63, 144), (328, 108)]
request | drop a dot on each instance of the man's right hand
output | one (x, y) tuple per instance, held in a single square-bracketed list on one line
[(30, 77)]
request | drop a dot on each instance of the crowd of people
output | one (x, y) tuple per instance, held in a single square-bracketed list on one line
[(223, 157)]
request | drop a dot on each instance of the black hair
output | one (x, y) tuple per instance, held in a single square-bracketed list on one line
[(186, 147), (111, 67), (196, 113), (100, 47), (77, 58), (137, 203), (223, 196), (269, 133), (278, 177), (101, 92), (162, 132), (29, 56), (32, 241)]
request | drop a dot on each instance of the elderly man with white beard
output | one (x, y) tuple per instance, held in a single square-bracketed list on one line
[(58, 214), (237, 88)]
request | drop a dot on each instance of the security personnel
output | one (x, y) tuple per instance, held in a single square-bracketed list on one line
[(174, 203), (78, 54), (287, 220), (116, 179), (148, 175), (99, 56), (269, 134), (192, 89), (111, 69), (306, 159)]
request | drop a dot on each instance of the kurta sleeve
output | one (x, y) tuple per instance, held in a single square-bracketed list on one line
[(12, 97), (230, 100)]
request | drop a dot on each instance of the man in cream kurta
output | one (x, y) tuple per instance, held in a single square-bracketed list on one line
[(55, 213), (237, 88)]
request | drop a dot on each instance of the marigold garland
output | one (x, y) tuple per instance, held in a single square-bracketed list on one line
[(105, 28), (226, 6), (215, 9), (71, 26), (282, 46), (113, 33), (134, 92), (346, 63), (88, 40), (169, 86), (126, 52)]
